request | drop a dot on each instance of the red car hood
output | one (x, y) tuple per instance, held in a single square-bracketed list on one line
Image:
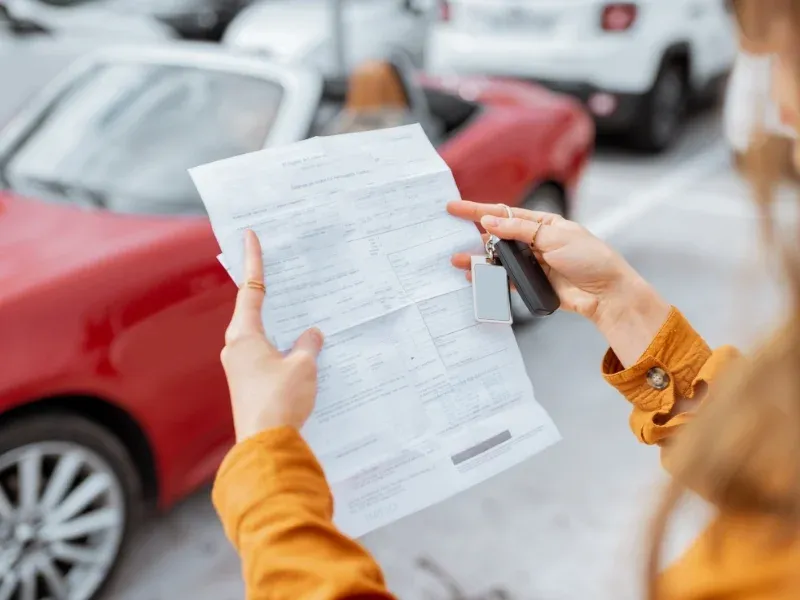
[(41, 241)]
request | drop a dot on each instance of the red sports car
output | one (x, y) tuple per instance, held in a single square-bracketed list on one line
[(113, 305)]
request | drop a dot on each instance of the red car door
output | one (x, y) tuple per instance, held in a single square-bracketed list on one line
[(170, 334), (485, 168)]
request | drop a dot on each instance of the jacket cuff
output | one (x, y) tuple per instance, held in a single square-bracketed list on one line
[(275, 466), (680, 352)]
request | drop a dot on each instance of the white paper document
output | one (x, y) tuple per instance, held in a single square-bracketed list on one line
[(417, 401)]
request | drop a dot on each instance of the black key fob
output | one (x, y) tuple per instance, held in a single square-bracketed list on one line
[(527, 276)]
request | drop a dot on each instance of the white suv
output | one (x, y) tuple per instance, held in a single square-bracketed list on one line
[(635, 65)]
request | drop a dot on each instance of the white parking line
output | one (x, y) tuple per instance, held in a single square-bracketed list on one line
[(662, 189)]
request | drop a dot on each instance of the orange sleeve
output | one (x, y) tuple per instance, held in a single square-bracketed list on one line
[(690, 366), (736, 557), (276, 509)]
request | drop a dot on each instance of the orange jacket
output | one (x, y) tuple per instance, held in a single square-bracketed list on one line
[(276, 507)]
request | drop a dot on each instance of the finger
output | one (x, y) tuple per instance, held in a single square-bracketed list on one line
[(520, 230), (246, 319), (462, 260), (475, 211), (546, 237), (253, 263), (310, 342)]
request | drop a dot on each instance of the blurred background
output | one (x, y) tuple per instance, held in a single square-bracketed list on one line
[(627, 117)]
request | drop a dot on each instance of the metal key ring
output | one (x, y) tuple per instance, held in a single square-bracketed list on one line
[(493, 239)]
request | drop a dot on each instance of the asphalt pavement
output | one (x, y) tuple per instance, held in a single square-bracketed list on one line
[(570, 522)]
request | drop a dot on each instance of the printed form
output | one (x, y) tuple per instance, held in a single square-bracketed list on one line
[(417, 401)]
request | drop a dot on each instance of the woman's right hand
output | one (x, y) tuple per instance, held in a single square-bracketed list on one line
[(589, 276)]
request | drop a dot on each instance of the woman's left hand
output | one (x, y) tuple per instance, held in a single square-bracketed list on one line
[(267, 388), (587, 274), (589, 277)]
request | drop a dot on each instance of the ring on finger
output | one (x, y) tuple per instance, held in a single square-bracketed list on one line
[(256, 285), (509, 212), (535, 233)]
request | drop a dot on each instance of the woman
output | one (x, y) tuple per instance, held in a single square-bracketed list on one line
[(735, 439), (749, 105)]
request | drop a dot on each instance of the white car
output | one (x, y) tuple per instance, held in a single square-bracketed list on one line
[(27, 66), (635, 65), (87, 20), (191, 19), (302, 31)]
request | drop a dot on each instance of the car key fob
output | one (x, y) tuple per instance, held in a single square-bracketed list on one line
[(527, 276)]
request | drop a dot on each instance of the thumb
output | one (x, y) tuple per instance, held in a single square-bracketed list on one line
[(309, 342)]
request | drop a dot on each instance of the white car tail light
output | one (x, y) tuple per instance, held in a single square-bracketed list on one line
[(444, 11), (619, 16)]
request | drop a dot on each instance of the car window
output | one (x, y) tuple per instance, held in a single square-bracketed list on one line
[(124, 136)]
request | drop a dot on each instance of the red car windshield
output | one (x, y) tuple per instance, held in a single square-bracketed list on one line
[(124, 135)]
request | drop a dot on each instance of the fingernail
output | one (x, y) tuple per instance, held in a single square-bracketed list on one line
[(318, 336), (490, 221)]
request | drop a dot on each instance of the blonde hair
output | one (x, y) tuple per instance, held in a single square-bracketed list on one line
[(742, 451)]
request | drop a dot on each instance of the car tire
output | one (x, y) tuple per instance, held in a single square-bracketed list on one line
[(84, 482), (663, 110), (547, 198)]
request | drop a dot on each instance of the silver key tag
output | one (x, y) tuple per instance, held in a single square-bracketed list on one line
[(491, 294)]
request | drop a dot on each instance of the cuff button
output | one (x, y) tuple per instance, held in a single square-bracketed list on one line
[(657, 378)]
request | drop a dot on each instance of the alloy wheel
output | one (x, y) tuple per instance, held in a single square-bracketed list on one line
[(62, 520)]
